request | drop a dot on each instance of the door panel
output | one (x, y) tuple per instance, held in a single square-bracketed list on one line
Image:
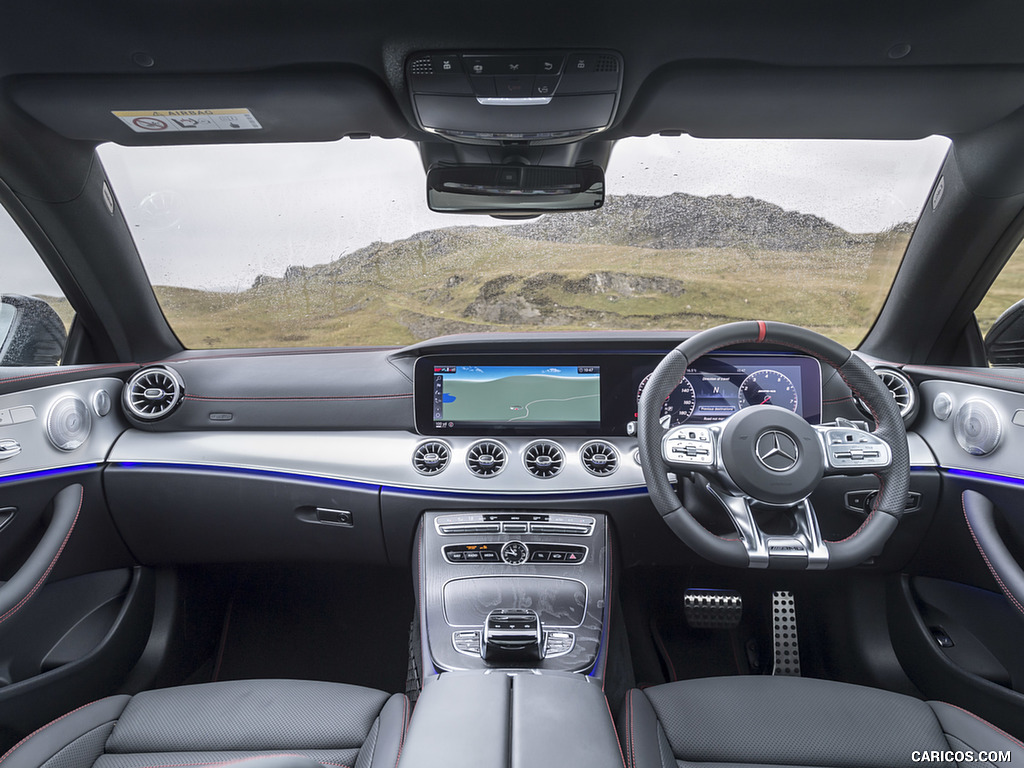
[(75, 610)]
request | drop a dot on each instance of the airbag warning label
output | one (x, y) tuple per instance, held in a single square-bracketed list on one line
[(185, 120)]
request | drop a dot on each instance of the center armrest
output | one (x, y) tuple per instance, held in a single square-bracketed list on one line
[(506, 719)]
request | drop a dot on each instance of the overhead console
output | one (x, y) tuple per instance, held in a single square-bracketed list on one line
[(541, 97)]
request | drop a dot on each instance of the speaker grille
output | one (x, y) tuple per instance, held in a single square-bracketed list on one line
[(977, 427), (68, 423)]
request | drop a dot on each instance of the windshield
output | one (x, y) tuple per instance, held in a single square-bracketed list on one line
[(270, 245)]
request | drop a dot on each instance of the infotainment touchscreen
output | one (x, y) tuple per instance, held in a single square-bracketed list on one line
[(515, 395)]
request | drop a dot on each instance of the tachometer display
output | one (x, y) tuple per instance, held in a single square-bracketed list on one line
[(678, 406), (768, 387)]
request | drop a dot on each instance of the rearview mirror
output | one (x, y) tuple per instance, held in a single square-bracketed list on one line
[(514, 189)]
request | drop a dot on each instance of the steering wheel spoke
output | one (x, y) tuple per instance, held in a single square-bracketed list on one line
[(852, 451), (802, 549)]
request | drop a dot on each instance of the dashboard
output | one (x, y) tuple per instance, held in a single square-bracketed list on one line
[(577, 395)]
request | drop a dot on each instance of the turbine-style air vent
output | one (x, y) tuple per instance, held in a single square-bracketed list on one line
[(599, 458), (902, 390), (544, 459), (431, 457), (486, 458), (153, 393)]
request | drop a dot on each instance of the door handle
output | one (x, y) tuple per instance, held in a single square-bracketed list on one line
[(980, 515), (9, 448)]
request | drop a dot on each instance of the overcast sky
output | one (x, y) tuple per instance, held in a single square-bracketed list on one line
[(218, 216)]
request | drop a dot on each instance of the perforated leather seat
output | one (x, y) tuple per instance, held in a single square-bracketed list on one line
[(777, 721), (216, 723)]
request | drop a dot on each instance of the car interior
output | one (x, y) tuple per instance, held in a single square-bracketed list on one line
[(479, 428)]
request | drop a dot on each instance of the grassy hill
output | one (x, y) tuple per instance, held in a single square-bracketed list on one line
[(675, 262)]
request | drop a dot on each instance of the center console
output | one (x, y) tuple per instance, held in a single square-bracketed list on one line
[(513, 590)]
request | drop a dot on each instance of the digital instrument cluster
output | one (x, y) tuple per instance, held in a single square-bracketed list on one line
[(715, 387)]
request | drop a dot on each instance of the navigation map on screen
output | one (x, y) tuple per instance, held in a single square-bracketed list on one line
[(498, 393)]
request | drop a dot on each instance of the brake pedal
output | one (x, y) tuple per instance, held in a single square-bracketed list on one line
[(787, 648), (712, 608)]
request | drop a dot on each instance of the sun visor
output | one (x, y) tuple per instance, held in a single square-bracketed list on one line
[(212, 109), (725, 100)]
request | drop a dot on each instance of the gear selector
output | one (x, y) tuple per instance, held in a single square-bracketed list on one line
[(512, 634)]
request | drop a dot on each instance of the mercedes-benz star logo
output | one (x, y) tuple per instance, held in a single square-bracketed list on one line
[(777, 451)]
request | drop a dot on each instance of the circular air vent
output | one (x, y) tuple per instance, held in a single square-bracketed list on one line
[(599, 458), (543, 459), (68, 423), (902, 389), (903, 392), (486, 458), (431, 457), (153, 393)]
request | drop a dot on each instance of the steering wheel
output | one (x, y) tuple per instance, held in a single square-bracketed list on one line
[(768, 455)]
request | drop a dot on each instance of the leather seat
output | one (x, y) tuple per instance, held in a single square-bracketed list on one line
[(215, 723), (780, 721)]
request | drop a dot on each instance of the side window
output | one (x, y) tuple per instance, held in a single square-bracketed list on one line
[(34, 315)]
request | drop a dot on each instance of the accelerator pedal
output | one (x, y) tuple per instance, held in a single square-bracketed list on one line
[(787, 648), (712, 608)]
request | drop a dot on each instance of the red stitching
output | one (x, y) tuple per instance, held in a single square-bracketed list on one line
[(633, 739), (995, 728), (1012, 598), (664, 649), (839, 400), (611, 580), (67, 372), (210, 398), (52, 722), (962, 372), (405, 725), (622, 757), (49, 568), (238, 760)]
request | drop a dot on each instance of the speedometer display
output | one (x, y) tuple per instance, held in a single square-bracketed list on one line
[(768, 387), (678, 406), (718, 385)]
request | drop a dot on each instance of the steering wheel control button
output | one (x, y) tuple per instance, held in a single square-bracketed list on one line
[(771, 455), (854, 449), (692, 446), (514, 553)]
